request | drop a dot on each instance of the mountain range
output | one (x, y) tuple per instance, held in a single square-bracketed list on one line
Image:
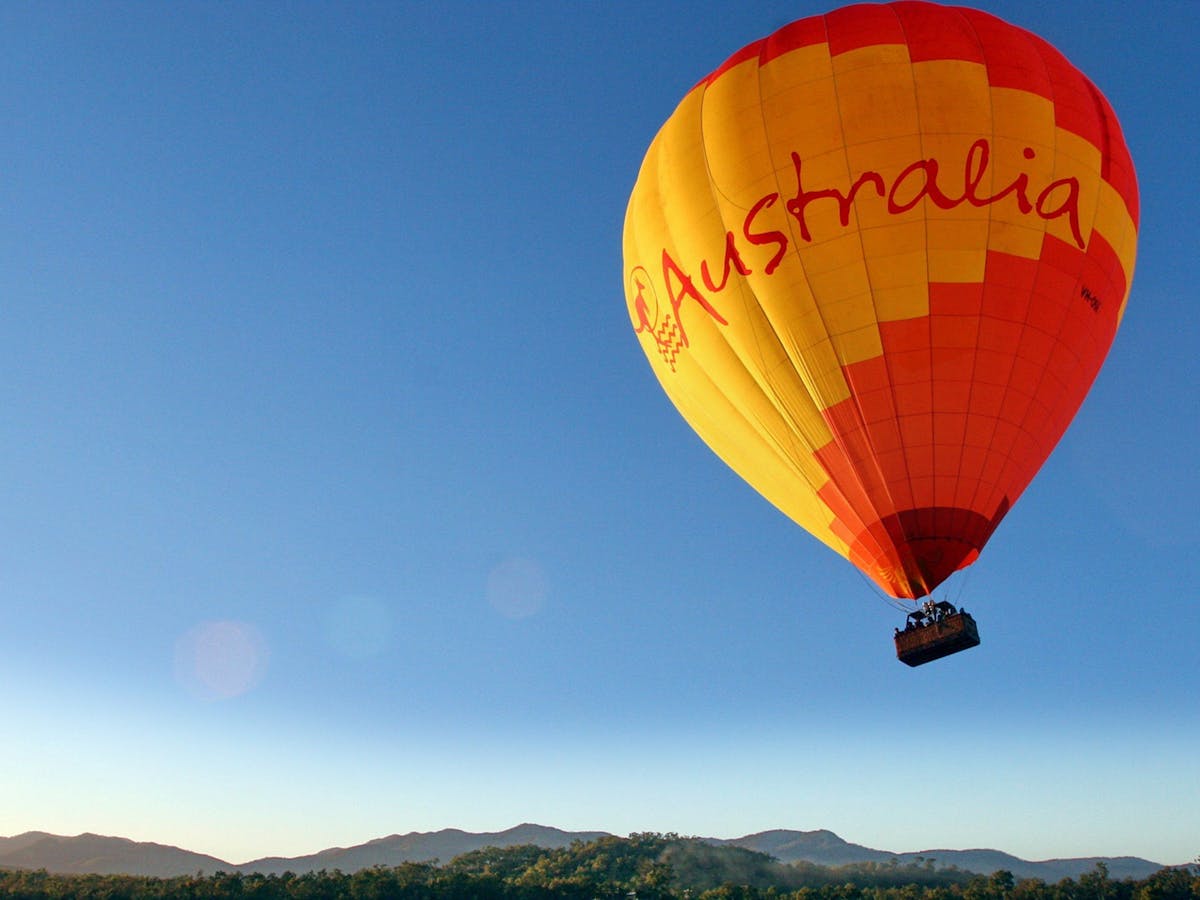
[(98, 854)]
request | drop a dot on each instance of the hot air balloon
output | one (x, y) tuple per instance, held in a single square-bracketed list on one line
[(876, 260)]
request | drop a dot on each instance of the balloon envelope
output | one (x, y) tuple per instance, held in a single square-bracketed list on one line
[(876, 260)]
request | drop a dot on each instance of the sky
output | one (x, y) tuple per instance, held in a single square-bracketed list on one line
[(339, 500)]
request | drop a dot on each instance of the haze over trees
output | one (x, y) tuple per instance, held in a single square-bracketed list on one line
[(640, 867)]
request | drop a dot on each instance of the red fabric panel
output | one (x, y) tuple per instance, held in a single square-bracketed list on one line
[(937, 32), (1118, 165), (862, 25), (1074, 105), (1010, 59), (804, 33)]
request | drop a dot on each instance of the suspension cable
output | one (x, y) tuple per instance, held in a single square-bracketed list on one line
[(886, 598)]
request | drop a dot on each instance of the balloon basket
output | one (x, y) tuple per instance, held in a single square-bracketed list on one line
[(918, 645)]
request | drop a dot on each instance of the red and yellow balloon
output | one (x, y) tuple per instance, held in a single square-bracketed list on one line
[(876, 260)]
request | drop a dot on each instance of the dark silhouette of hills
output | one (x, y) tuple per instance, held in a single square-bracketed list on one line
[(97, 854)]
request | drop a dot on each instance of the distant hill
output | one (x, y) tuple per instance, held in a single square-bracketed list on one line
[(21, 841), (100, 855), (824, 848), (90, 853), (827, 849), (417, 846)]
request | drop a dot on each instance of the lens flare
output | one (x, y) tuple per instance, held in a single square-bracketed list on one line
[(221, 659)]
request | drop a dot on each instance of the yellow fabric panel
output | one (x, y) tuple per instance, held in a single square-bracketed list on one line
[(768, 435), (859, 345), (958, 248), (723, 402), (734, 134), (1081, 154), (906, 269), (785, 297), (784, 473), (745, 425), (1113, 221), (799, 98), (841, 252), (1079, 159), (874, 56), (836, 286), (754, 440), (952, 258), (680, 176), (740, 166), (899, 270), (1021, 237), (804, 117), (849, 313), (953, 97), (877, 103), (1024, 119), (887, 155), (1101, 207), (954, 109), (1019, 120)]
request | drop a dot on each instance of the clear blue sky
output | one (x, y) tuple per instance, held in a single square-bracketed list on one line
[(338, 499)]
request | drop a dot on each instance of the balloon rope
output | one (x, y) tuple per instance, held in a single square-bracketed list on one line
[(889, 600)]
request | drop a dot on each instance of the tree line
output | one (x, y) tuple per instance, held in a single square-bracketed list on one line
[(639, 867)]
